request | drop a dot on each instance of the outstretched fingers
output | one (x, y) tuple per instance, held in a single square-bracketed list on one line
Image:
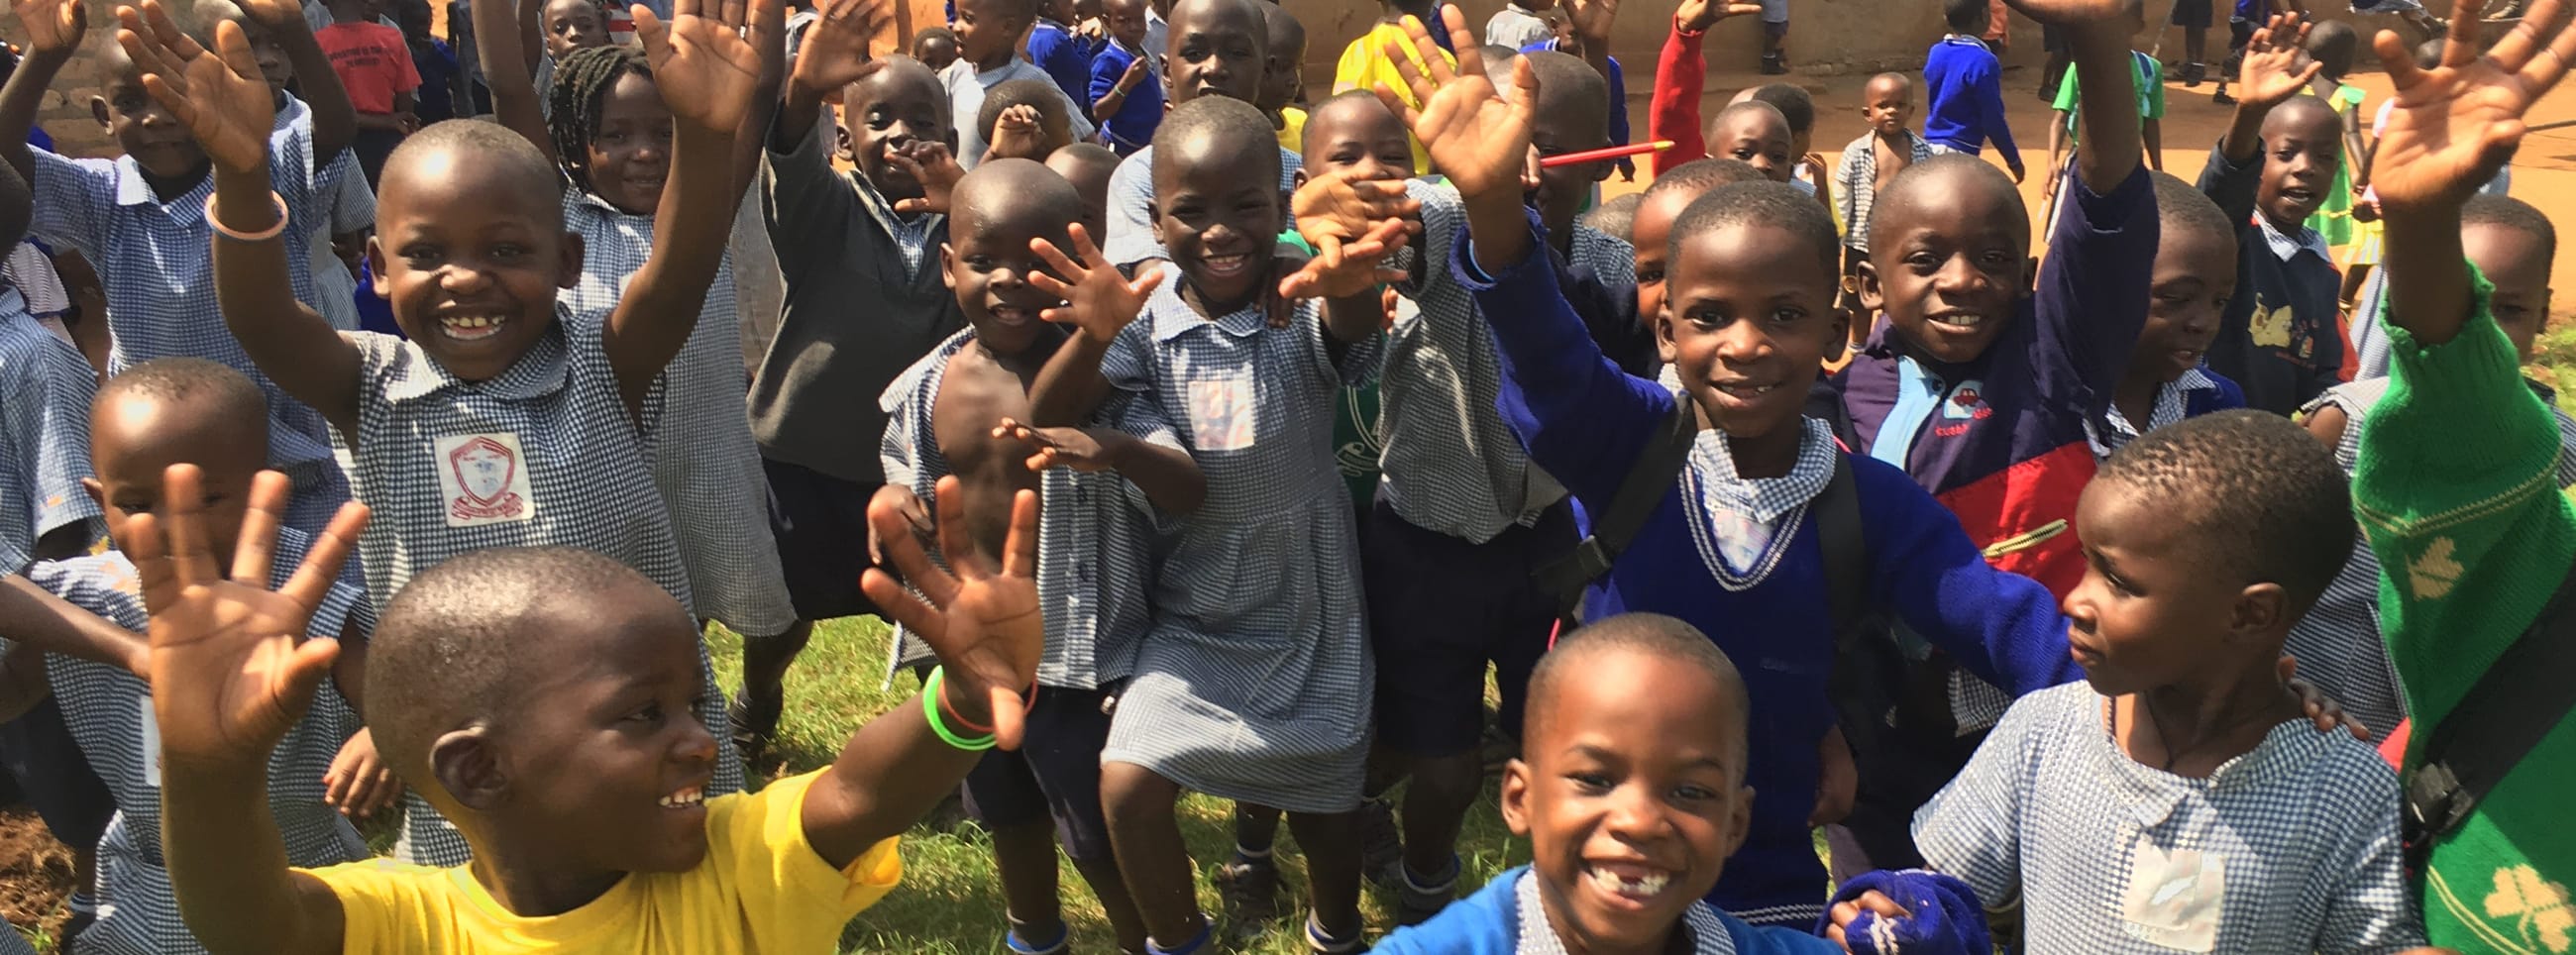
[(903, 551), (2547, 69), (326, 555)]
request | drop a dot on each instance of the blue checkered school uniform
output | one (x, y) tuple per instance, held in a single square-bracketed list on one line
[(1095, 551), (152, 256), (543, 454), (109, 712), (1131, 205), (45, 390), (2292, 847), (1254, 682), (704, 461)]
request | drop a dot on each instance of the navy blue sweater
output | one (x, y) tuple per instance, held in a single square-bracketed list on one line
[(1585, 420), (1967, 94), (2280, 340)]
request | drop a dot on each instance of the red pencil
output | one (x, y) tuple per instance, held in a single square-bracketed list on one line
[(1599, 155)]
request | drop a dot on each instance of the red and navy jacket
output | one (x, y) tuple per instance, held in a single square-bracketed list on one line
[(2006, 450)]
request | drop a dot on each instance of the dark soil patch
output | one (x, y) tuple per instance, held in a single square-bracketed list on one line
[(35, 873)]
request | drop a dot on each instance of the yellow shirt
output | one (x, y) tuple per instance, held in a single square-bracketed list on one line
[(1292, 129), (760, 889), (1364, 65)]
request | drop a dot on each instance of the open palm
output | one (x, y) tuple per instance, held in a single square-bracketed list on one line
[(706, 67), (1591, 18), (835, 53), (219, 94), (2272, 72), (231, 668), (1097, 299), (273, 15), (2454, 125), (981, 617), (53, 26), (1476, 136)]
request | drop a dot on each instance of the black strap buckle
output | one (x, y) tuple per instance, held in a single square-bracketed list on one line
[(2436, 804)]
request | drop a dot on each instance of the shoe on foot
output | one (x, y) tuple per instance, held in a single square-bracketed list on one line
[(1418, 900), (84, 914), (1322, 944), (1250, 891), (1774, 64), (1381, 844), (752, 723), (2193, 74), (2221, 98)]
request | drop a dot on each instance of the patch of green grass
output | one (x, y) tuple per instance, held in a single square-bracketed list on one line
[(950, 902)]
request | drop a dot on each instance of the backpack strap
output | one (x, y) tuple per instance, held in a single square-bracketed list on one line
[(1648, 480), (2520, 698), (1838, 531)]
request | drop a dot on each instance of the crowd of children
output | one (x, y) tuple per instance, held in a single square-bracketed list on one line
[(1200, 437)]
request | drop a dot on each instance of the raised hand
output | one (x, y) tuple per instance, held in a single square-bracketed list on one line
[(219, 95), (1475, 135), (358, 782), (707, 60), (231, 669), (1081, 449), (1097, 300), (1015, 135), (1138, 70), (1697, 16), (2454, 125), (2272, 72), (1337, 207), (835, 53), (1591, 19), (53, 27), (929, 163), (275, 16), (1348, 269), (982, 619), (2068, 12)]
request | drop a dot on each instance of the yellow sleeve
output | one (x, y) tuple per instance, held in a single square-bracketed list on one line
[(388, 906), (1352, 72), (792, 899)]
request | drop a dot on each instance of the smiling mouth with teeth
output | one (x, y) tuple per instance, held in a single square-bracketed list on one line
[(1638, 888), (689, 798), (1959, 320), (472, 327)]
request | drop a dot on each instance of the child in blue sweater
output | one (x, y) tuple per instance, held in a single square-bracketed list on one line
[(1966, 84), (1748, 316)]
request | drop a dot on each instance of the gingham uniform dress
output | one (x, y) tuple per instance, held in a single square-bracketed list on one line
[(2289, 848), (543, 454), (1254, 683), (110, 715), (704, 461), (1095, 551), (1451, 465), (161, 286), (45, 390)]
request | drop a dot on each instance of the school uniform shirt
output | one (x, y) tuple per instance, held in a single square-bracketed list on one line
[(1131, 206), (1254, 683), (2198, 392), (1741, 559), (1451, 465), (373, 61), (151, 256), (1963, 82), (1856, 183), (2292, 847), (45, 391), (704, 462), (544, 453), (864, 300), (2280, 339), (1506, 918), (109, 712), (1065, 58), (1515, 26), (1131, 128), (966, 87), (2146, 77), (760, 888), (30, 271), (1095, 546), (353, 209)]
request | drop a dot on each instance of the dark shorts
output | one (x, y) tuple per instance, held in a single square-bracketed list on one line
[(1439, 609), (2192, 14), (821, 525), (2239, 33), (46, 771), (1055, 774)]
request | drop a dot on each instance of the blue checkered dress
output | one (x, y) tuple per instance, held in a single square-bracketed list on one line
[(152, 255), (2289, 848), (1254, 683), (704, 461), (107, 709), (45, 389)]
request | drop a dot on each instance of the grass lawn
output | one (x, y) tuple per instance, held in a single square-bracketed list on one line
[(950, 902)]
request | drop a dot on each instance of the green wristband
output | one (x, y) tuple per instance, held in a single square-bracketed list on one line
[(930, 712)]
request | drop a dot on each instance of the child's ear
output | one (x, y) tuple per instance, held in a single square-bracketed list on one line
[(464, 764), (1841, 331), (98, 111), (2260, 608), (96, 491), (1299, 178), (1515, 797), (1873, 297), (948, 266), (1665, 350), (568, 272), (376, 267)]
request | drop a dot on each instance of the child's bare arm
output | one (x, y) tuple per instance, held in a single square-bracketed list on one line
[(1592, 20), (1477, 136), (2109, 149), (985, 624), (54, 30), (505, 67), (1169, 476), (53, 625), (531, 31), (231, 673), (2270, 76), (2452, 128), (709, 73), (1099, 303), (835, 55), (335, 121), (219, 95)]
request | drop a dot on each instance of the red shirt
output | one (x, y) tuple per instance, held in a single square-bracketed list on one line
[(373, 62)]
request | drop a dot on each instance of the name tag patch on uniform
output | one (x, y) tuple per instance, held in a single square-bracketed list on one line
[(1221, 413), (2173, 897), (483, 479)]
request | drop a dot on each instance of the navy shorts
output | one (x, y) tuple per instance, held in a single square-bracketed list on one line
[(1439, 609), (1055, 774), (2192, 14), (47, 771), (821, 525)]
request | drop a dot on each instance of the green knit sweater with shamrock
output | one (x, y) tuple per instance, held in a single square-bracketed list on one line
[(2456, 489)]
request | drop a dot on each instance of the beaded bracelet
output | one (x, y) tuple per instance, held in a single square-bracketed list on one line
[(930, 693), (262, 235)]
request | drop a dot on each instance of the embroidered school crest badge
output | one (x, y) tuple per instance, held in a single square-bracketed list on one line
[(1967, 402), (483, 479)]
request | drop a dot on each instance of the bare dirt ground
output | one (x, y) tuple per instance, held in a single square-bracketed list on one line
[(35, 873)]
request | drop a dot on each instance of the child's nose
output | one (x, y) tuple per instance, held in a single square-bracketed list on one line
[(695, 744)]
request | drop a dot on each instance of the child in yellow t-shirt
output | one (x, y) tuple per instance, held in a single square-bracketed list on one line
[(1365, 63)]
